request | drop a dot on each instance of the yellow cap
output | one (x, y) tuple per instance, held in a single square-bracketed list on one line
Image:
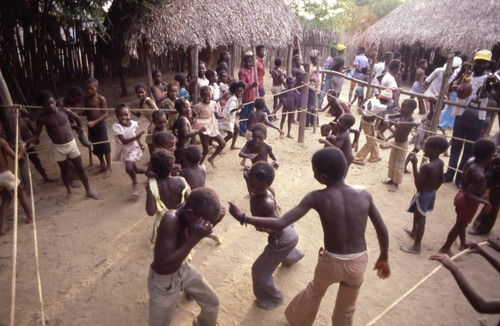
[(340, 47), (483, 55)]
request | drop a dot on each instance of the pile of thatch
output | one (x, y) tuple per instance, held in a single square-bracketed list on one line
[(442, 25), (211, 23)]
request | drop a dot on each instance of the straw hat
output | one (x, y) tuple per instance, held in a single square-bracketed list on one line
[(386, 94)]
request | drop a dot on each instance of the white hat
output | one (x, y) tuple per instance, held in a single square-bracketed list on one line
[(386, 94)]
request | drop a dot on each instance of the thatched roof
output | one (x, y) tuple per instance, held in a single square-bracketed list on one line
[(442, 25), (212, 23)]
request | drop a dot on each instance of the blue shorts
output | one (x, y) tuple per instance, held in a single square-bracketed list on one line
[(422, 202)]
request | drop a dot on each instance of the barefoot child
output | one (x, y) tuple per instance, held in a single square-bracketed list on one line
[(206, 112), (228, 113), (128, 146), (343, 140), (259, 115), (56, 121), (182, 93), (278, 82), (179, 231), (26, 130), (469, 197), (398, 151), (345, 256), (8, 183), (163, 192), (146, 108), (427, 181), (172, 91), (289, 103), (182, 129), (281, 244), (256, 149), (158, 89), (98, 131)]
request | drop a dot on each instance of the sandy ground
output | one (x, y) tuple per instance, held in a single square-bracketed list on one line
[(95, 255)]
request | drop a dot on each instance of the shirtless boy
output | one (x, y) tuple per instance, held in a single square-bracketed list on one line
[(289, 103), (194, 173), (398, 151), (256, 149), (179, 231), (281, 244), (98, 131), (182, 129), (8, 183), (427, 181), (55, 120), (259, 115), (469, 197), (278, 81), (342, 140), (344, 222)]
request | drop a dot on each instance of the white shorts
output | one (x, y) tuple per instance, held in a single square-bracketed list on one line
[(8, 181), (64, 151)]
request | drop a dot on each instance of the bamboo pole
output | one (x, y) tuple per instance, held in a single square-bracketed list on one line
[(438, 106), (304, 95)]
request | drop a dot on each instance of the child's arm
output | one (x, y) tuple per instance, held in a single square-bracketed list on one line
[(104, 113), (418, 176), (72, 115), (382, 266), (476, 248), (150, 200), (326, 142), (184, 130), (157, 97), (272, 125), (245, 152), (8, 150), (125, 141), (477, 302), (35, 138), (475, 185), (275, 163), (356, 138)]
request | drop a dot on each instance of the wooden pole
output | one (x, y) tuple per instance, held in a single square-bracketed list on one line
[(316, 100), (289, 61), (194, 74), (255, 71), (304, 95), (8, 115), (438, 106), (147, 57)]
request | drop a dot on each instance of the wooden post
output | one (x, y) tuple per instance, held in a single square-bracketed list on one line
[(8, 115), (194, 74), (147, 57), (304, 95), (233, 60), (442, 92), (255, 58), (289, 61), (316, 100)]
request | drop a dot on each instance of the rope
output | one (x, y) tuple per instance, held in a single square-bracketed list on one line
[(35, 240), (14, 231), (413, 288)]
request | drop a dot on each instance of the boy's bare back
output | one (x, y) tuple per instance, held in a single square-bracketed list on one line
[(431, 174), (172, 191), (195, 176), (278, 76), (474, 178)]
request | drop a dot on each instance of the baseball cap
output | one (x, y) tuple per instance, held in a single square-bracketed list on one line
[(483, 55)]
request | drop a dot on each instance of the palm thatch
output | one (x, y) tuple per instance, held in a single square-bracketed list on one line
[(441, 25), (211, 23)]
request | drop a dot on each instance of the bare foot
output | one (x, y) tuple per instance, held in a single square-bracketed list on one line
[(407, 171), (388, 182), (107, 174), (234, 148), (92, 195), (393, 187), (211, 161), (29, 220), (242, 163), (100, 170), (410, 249), (215, 238), (289, 136), (135, 191), (68, 198), (49, 180), (75, 184), (410, 232), (5, 230)]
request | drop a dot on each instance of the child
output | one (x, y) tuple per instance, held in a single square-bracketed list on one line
[(256, 149), (26, 130), (470, 195), (343, 140), (278, 82), (398, 151), (205, 117), (8, 183), (359, 92), (164, 140), (159, 89), (128, 145), (345, 256), (289, 103), (427, 181), (214, 87), (182, 93), (98, 131), (228, 114), (170, 104), (194, 173), (182, 129), (260, 116), (335, 109), (179, 231), (163, 192), (418, 84), (146, 108), (56, 122), (281, 245), (421, 135)]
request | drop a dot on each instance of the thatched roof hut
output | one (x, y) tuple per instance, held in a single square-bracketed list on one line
[(440, 25), (182, 24)]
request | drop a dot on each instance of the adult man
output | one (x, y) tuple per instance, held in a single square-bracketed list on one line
[(468, 122), (360, 62), (315, 79), (381, 68), (336, 64), (432, 84)]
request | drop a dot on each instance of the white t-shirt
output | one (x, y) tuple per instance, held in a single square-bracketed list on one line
[(435, 79), (374, 108), (476, 82), (389, 81)]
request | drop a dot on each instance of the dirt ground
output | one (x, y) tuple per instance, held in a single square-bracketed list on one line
[(95, 255)]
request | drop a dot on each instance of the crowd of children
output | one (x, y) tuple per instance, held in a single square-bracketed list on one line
[(186, 211)]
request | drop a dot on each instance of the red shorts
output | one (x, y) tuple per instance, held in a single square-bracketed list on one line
[(465, 208)]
